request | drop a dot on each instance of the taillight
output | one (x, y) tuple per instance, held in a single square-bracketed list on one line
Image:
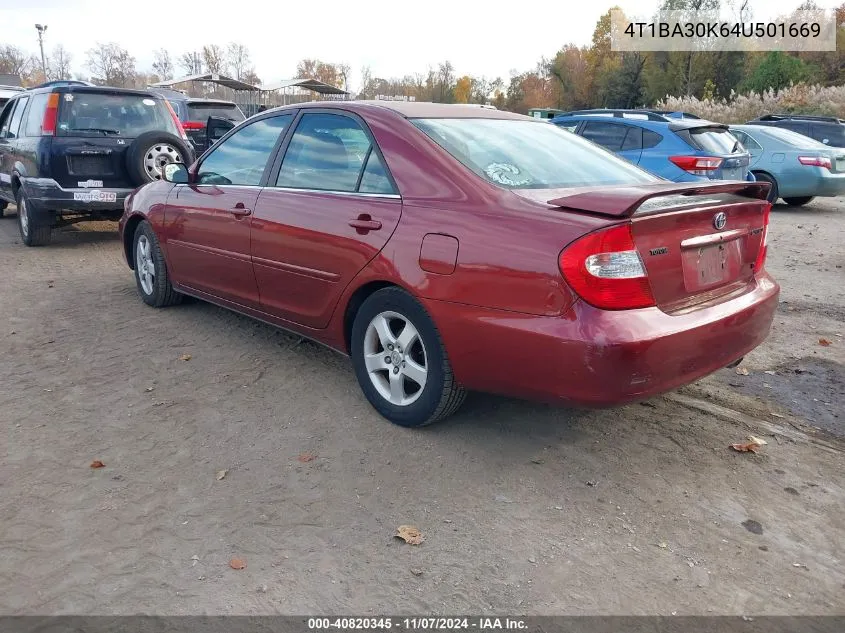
[(193, 125), (698, 165), (764, 245), (51, 115), (176, 121), (815, 161), (605, 270)]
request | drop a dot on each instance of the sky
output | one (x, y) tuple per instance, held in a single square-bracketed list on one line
[(393, 38)]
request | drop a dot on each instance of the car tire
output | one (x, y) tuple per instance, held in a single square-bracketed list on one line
[(773, 196), (151, 274), (147, 155), (35, 228), (798, 202), (379, 327), (3, 205)]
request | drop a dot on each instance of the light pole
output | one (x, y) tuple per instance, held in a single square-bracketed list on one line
[(41, 28)]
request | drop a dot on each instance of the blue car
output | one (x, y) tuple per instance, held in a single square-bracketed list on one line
[(674, 146)]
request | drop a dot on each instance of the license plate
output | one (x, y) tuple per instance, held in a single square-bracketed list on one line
[(711, 266), (732, 174), (840, 164), (95, 196)]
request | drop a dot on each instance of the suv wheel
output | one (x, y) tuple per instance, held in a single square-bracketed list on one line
[(400, 361), (798, 202), (34, 230), (150, 269), (151, 152)]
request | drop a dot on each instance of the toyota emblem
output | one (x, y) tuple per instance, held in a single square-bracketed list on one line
[(720, 220)]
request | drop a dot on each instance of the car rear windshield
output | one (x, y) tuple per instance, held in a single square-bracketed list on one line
[(716, 140), (201, 111), (529, 155), (104, 114)]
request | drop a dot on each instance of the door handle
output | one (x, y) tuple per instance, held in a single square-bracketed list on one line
[(365, 223), (240, 210)]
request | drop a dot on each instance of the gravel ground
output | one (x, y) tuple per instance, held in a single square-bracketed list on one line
[(525, 508)]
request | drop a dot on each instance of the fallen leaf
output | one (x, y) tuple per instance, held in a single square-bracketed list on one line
[(756, 440), (307, 457), (771, 372), (741, 371), (149, 389), (746, 448), (801, 565), (824, 342), (185, 357), (662, 545), (97, 464), (536, 460), (221, 474), (777, 415), (417, 572), (237, 563), (409, 534)]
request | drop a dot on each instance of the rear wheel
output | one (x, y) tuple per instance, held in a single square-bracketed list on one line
[(773, 191), (400, 361), (150, 270), (798, 202), (34, 227)]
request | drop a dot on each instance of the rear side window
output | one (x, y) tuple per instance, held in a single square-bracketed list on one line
[(326, 153), (829, 134), (35, 117), (651, 139), (716, 140), (112, 114), (201, 112), (633, 139), (375, 179), (17, 115), (6, 117), (608, 135), (242, 158)]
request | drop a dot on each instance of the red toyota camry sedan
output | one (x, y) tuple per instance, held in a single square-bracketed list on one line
[(446, 249)]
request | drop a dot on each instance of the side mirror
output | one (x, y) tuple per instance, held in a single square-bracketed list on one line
[(176, 173)]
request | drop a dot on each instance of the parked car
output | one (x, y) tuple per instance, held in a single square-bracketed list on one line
[(68, 153), (797, 167), (465, 248), (824, 129), (194, 114), (677, 149), (7, 92)]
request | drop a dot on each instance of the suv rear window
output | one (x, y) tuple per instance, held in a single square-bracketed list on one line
[(716, 140), (104, 114), (201, 111)]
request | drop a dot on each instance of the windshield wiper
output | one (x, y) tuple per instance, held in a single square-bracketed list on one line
[(104, 130)]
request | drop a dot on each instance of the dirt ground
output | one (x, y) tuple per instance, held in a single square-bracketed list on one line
[(526, 509)]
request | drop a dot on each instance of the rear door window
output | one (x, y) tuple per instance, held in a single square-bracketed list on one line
[(17, 115), (828, 133), (651, 139), (748, 142), (35, 116), (608, 135), (112, 114), (633, 139), (375, 178), (6, 118)]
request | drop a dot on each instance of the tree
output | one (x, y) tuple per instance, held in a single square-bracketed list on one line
[(59, 64), (572, 79), (321, 71), (778, 70), (237, 57), (463, 89), (365, 89), (445, 79), (162, 64), (14, 61), (191, 63), (214, 59), (111, 65)]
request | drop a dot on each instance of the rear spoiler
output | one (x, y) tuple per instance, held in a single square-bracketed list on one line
[(696, 124), (624, 201)]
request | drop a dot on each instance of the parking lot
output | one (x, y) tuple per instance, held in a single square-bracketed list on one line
[(524, 508)]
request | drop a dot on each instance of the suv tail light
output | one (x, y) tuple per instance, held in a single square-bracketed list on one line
[(51, 115), (698, 165), (605, 270), (815, 161), (193, 125), (176, 121), (761, 254)]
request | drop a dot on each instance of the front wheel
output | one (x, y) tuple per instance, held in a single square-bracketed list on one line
[(798, 202), (400, 361), (34, 227), (150, 270)]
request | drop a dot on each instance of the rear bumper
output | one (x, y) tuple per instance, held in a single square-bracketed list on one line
[(47, 194), (599, 358), (822, 183)]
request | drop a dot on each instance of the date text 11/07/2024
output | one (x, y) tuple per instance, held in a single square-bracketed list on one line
[(417, 624)]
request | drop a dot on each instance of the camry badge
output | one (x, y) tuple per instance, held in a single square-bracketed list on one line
[(720, 220)]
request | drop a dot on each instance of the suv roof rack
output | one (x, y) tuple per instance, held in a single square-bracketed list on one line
[(669, 113), (652, 115), (801, 117)]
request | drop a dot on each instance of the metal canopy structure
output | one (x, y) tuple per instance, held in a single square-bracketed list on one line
[(314, 85), (212, 78)]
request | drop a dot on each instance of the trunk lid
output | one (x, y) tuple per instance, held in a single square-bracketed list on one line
[(80, 162), (697, 243)]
